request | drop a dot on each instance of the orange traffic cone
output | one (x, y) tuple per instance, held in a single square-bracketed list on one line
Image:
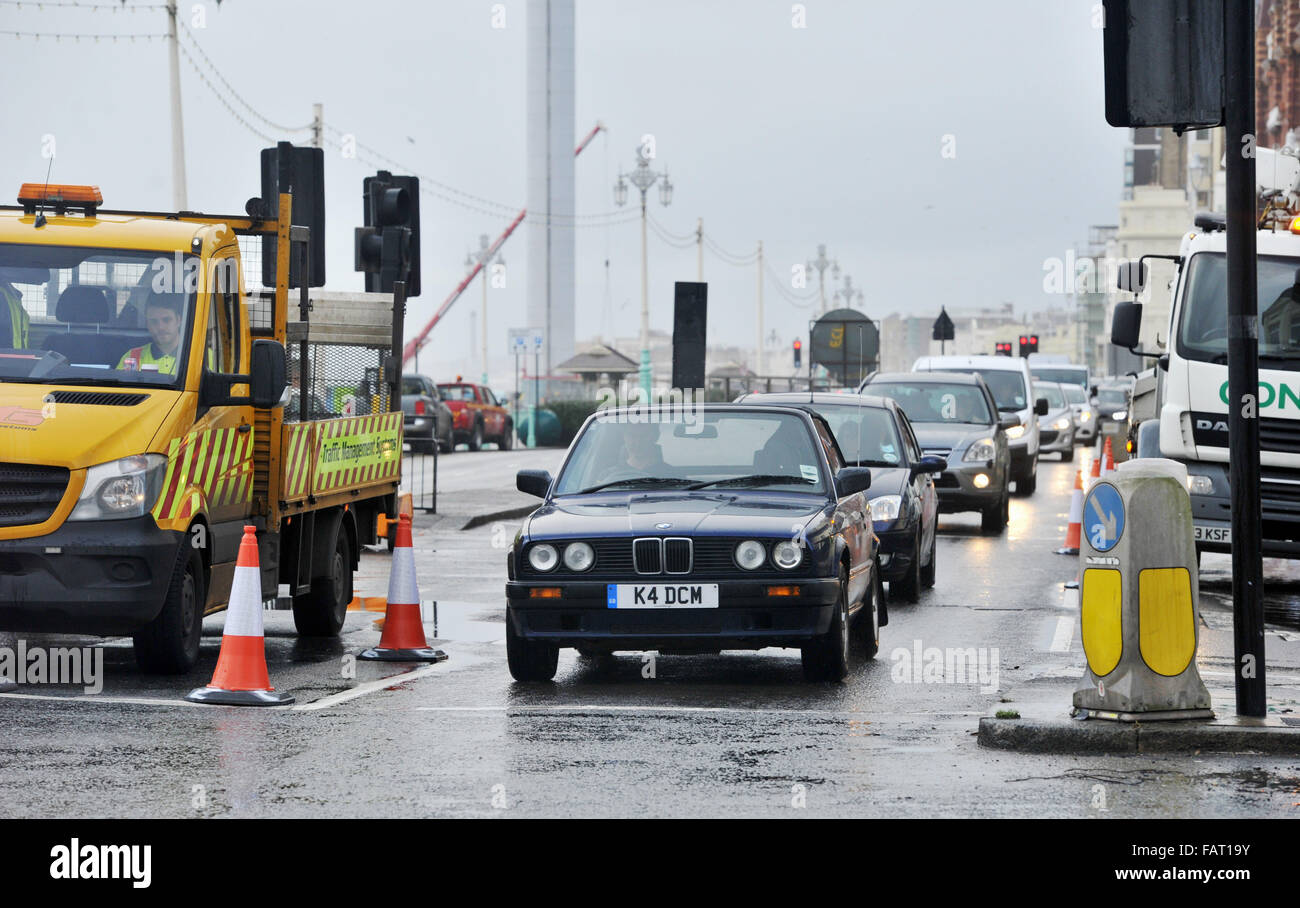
[(403, 636), (1076, 518), (1109, 466), (1095, 472), (240, 678)]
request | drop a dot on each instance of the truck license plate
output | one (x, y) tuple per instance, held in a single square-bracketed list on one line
[(1212, 534), (662, 595)]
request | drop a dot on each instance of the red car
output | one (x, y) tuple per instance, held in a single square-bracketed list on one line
[(477, 415)]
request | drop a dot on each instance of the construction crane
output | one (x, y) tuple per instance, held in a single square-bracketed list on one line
[(413, 346)]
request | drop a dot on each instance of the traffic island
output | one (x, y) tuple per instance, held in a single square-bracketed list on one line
[(1271, 735)]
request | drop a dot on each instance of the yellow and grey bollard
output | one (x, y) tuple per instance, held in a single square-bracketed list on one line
[(1139, 597)]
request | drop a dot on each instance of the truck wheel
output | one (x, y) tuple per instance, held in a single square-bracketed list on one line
[(529, 660), (169, 645), (476, 440), (321, 612), (507, 438), (826, 658)]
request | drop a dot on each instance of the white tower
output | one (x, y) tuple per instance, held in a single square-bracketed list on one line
[(549, 72)]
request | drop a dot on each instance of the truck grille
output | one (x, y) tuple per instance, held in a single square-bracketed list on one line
[(29, 494), (1280, 435)]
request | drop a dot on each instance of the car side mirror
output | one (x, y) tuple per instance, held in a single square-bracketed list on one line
[(1008, 421), (929, 464), (1040, 406), (533, 482), (851, 480), (1126, 324)]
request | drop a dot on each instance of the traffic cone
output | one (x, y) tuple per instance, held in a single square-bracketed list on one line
[(240, 678), (1076, 518), (1109, 466), (403, 636), (1095, 472)]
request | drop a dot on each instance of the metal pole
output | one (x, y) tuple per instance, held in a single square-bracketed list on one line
[(758, 354), (485, 323), (178, 127), (1243, 358), (699, 250), (317, 125), (645, 308), (516, 416), (534, 409)]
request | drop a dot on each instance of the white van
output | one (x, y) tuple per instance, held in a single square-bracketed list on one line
[(1009, 379)]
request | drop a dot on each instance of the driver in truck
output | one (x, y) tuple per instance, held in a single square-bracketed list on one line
[(163, 318)]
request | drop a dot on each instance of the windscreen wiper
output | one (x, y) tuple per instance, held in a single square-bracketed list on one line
[(758, 479), (635, 481)]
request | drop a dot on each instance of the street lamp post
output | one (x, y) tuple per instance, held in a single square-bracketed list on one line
[(820, 264), (484, 256), (848, 293), (643, 178)]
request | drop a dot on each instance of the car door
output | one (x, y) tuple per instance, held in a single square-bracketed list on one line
[(922, 484), (851, 516)]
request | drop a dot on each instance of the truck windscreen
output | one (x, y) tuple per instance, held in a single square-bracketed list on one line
[(1203, 326), (86, 316)]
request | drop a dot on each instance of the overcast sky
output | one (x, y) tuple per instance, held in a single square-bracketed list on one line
[(833, 133)]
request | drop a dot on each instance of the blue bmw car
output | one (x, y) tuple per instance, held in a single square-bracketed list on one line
[(693, 531)]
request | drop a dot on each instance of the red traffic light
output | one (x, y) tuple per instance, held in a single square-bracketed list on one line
[(798, 345)]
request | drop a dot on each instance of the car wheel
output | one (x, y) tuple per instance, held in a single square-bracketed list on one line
[(169, 645), (994, 517), (476, 440), (507, 438), (529, 660), (908, 588), (827, 657), (1029, 482), (322, 611), (928, 572), (868, 621)]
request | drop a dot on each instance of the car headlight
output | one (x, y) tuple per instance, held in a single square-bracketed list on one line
[(1119, 415), (750, 555), (1015, 432), (543, 557), (578, 556), (885, 508), (787, 555), (1085, 415), (1200, 485), (122, 488), (984, 449), (1061, 424)]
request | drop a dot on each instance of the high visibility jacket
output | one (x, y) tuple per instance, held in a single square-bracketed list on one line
[(148, 355), (11, 307)]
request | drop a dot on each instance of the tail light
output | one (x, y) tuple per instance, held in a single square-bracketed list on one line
[(419, 408)]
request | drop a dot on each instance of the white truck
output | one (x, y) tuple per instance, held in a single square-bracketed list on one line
[(1186, 408)]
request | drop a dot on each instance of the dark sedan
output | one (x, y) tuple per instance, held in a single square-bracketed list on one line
[(955, 416), (698, 530), (873, 432)]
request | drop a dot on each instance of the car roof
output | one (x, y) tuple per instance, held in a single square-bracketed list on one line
[(999, 363), (949, 378), (804, 399)]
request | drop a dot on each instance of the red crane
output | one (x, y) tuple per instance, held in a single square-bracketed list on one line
[(413, 346)]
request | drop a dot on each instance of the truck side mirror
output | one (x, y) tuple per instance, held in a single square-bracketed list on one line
[(267, 374), (1126, 324), (1132, 276)]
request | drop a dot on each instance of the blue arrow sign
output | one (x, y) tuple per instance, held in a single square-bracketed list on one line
[(1103, 517)]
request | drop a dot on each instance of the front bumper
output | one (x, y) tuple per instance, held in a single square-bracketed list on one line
[(897, 552), (1053, 441), (746, 617), (1279, 513), (958, 492), (105, 577)]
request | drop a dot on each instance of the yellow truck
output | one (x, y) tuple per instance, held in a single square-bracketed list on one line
[(153, 402)]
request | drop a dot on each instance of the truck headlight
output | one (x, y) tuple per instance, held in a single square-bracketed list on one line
[(121, 488), (1015, 432), (983, 449), (1200, 485), (885, 508)]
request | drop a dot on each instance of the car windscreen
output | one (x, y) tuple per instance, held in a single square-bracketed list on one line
[(1008, 386), (765, 451), (457, 392), (1075, 394), (412, 386), (1066, 375), (1114, 397), (866, 435), (936, 402), (1202, 328), (1052, 393), (87, 316)]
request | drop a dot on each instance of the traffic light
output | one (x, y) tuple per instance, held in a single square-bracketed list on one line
[(798, 353), (1033, 343), (1002, 348), (1024, 345), (388, 246)]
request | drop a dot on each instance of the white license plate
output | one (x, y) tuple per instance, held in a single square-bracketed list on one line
[(1213, 534), (662, 595)]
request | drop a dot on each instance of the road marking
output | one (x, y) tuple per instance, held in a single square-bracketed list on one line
[(369, 687), (96, 698), (1064, 635), (612, 708)]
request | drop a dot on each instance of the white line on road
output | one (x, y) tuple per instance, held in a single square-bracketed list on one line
[(1064, 635), (594, 707), (369, 687), (96, 698)]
